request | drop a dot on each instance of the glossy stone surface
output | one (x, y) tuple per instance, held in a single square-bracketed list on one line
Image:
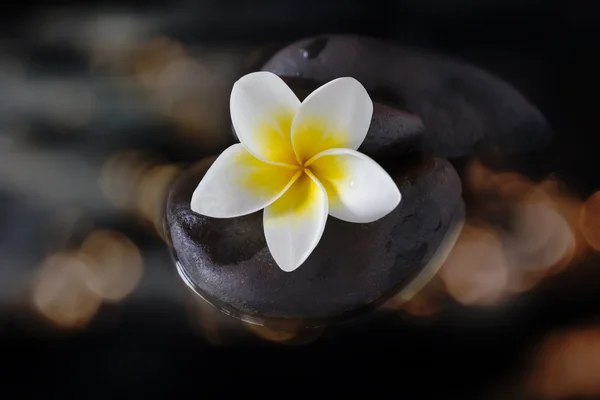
[(463, 108), (354, 267)]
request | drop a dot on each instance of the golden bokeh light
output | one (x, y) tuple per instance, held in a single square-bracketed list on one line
[(541, 238), (476, 271), (517, 234), (534, 225), (568, 206), (567, 366), (60, 293), (537, 227), (114, 267), (589, 220)]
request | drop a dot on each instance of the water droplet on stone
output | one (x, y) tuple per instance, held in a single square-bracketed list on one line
[(314, 48)]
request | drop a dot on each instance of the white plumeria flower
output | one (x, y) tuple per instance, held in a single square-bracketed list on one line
[(299, 162)]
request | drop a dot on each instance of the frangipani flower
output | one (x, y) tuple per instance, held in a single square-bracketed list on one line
[(298, 162)]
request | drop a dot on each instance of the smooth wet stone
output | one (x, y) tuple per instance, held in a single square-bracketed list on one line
[(464, 109), (353, 268), (392, 131)]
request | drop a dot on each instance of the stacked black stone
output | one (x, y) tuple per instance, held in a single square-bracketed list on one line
[(426, 107)]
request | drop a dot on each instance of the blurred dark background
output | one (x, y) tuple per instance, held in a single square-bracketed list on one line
[(103, 102)]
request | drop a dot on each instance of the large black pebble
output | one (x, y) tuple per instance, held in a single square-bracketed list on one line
[(354, 267), (465, 110)]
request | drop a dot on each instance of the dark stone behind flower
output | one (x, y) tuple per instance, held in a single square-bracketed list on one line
[(464, 109)]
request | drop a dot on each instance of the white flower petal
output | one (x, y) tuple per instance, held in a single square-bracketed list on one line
[(262, 109), (359, 190), (295, 222), (336, 115), (238, 184)]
